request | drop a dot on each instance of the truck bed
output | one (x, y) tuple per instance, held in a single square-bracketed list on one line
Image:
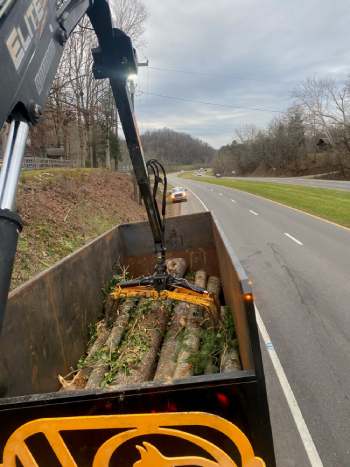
[(48, 318)]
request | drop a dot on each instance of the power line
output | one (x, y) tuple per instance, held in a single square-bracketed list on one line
[(204, 73), (184, 99)]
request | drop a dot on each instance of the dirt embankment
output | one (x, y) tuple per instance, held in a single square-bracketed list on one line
[(64, 209)]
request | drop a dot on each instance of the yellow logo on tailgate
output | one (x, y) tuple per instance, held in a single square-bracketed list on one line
[(133, 426)]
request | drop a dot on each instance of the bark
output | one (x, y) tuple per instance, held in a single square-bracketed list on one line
[(230, 361), (80, 379), (230, 357), (201, 279), (141, 362), (170, 348), (112, 343), (191, 340), (213, 287)]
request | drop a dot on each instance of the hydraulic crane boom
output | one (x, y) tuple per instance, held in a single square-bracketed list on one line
[(32, 38)]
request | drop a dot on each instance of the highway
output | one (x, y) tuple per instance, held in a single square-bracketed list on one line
[(311, 182), (300, 268)]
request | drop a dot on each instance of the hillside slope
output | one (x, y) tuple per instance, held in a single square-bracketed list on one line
[(64, 209)]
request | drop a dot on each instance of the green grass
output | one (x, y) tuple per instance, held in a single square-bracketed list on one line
[(333, 205)]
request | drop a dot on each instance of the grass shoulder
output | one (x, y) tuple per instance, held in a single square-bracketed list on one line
[(332, 205)]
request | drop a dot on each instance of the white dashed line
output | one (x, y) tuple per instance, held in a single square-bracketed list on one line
[(293, 238), (303, 430), (234, 201), (253, 212), (220, 194)]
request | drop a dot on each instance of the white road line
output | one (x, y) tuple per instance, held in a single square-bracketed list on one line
[(253, 212), (196, 196), (220, 194), (303, 430), (293, 238), (234, 201), (298, 418)]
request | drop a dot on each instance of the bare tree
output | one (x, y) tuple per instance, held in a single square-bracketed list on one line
[(327, 110), (130, 16), (77, 99)]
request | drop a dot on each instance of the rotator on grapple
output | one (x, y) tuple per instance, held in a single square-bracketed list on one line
[(32, 39)]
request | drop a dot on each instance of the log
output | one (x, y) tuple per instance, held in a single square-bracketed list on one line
[(176, 266), (213, 286), (191, 340), (112, 343), (200, 279), (81, 377), (138, 358), (230, 357), (230, 361), (111, 309), (170, 348)]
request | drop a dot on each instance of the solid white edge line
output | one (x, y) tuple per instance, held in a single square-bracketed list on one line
[(253, 212), (293, 238), (298, 418), (194, 194)]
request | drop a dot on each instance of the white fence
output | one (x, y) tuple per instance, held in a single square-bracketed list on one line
[(32, 163)]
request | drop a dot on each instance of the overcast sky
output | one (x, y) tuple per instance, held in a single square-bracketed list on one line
[(244, 54)]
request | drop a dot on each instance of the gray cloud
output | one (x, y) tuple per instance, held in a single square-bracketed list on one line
[(250, 53)]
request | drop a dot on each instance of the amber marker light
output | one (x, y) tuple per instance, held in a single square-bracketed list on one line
[(248, 297)]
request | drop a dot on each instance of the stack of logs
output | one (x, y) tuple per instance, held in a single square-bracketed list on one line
[(143, 340)]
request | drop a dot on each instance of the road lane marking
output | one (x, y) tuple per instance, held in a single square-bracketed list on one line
[(293, 238), (220, 194), (298, 418), (234, 201), (196, 196), (253, 212), (293, 209), (294, 408)]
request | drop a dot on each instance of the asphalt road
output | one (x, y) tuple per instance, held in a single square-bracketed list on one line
[(312, 182), (300, 268)]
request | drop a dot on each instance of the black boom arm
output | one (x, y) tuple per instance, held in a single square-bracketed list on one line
[(32, 38)]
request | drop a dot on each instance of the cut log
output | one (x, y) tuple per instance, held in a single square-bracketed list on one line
[(200, 279), (213, 286), (190, 345), (138, 358), (230, 361), (111, 309), (230, 357), (81, 377), (176, 266), (170, 348), (191, 340), (112, 343)]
